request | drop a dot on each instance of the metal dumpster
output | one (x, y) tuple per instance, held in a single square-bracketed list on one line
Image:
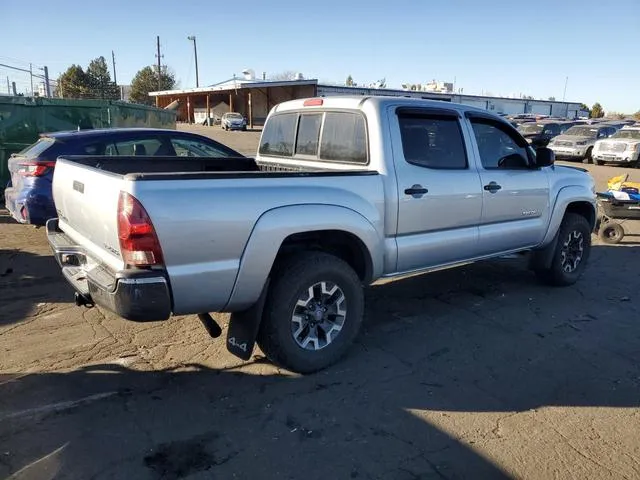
[(23, 119)]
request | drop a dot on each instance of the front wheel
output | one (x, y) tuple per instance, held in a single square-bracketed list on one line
[(589, 156), (571, 253), (313, 312), (599, 162)]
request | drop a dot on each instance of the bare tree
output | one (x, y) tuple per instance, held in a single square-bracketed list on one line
[(284, 75)]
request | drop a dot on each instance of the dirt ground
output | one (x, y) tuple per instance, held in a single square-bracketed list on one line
[(477, 372)]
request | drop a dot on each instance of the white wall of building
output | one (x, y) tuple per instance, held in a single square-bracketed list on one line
[(506, 106)]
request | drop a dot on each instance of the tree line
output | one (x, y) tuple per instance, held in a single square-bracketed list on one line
[(95, 82)]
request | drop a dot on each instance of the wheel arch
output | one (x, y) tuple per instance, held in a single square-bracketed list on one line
[(279, 232)]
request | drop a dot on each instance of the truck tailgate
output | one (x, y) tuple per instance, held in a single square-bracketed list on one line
[(86, 202)]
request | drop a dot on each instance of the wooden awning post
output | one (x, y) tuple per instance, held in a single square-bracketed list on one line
[(231, 102), (208, 111), (250, 111), (189, 110)]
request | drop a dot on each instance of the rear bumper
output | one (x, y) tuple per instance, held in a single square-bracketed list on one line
[(139, 295), (28, 207)]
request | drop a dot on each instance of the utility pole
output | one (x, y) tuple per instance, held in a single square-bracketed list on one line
[(8, 86), (195, 54), (46, 81), (113, 62), (564, 95), (13, 86), (159, 66), (31, 77)]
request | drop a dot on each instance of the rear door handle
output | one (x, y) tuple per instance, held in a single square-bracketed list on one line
[(416, 191), (492, 187)]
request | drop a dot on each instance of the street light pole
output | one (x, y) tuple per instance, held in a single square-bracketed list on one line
[(195, 54)]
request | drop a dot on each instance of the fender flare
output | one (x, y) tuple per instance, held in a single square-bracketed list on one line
[(566, 196), (275, 225)]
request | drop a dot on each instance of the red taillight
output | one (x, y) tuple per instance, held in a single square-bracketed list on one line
[(34, 168), (138, 240), (313, 102)]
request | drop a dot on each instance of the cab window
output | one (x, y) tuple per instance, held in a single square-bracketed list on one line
[(432, 141)]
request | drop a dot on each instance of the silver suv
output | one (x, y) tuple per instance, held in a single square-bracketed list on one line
[(577, 142)]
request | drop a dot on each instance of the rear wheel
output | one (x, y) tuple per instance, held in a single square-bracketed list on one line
[(313, 312), (571, 254), (611, 233)]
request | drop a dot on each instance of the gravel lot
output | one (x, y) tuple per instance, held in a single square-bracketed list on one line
[(477, 372)]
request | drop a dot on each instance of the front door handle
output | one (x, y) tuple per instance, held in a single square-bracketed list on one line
[(492, 187), (416, 191)]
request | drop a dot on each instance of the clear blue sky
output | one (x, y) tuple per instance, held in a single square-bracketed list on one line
[(500, 47)]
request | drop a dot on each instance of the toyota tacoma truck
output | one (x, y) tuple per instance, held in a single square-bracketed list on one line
[(343, 191)]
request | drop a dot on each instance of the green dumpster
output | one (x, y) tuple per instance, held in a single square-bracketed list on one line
[(23, 119)]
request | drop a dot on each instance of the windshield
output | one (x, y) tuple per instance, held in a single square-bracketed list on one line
[(37, 149), (582, 131), (634, 134), (234, 116), (530, 128)]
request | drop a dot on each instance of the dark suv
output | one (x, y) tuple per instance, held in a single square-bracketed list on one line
[(538, 134), (28, 196)]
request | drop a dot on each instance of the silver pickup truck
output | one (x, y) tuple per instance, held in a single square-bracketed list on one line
[(343, 191)]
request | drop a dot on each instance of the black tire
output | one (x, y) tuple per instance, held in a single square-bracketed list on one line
[(557, 275), (291, 279), (599, 162), (589, 157), (611, 233)]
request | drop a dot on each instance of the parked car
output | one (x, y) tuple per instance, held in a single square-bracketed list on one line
[(539, 134), (622, 147), (344, 191), (577, 142), (233, 121), (28, 195)]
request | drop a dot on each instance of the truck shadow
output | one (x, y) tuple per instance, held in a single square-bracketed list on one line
[(484, 340), (27, 279)]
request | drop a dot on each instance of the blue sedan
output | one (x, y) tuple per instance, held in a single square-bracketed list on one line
[(28, 196)]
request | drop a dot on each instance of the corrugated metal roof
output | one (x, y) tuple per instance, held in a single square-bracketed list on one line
[(236, 84)]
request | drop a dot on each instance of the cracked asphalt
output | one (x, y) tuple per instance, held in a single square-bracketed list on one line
[(477, 372)]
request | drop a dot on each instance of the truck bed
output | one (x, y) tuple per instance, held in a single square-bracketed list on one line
[(165, 168), (203, 211)]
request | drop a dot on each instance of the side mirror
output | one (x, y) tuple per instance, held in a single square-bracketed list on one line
[(545, 157)]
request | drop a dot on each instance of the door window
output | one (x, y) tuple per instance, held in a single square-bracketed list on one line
[(552, 129), (432, 141), (193, 148), (146, 146), (497, 147)]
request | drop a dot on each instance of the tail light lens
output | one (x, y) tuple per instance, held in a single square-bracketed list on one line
[(34, 168), (138, 240)]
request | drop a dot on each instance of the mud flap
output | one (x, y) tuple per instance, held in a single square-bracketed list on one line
[(541, 259), (244, 326)]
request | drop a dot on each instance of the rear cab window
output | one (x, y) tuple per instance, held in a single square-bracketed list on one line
[(325, 136)]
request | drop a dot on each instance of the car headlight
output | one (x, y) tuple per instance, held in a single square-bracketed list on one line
[(581, 143), (633, 147)]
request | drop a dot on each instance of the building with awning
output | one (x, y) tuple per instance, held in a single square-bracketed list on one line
[(250, 97)]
